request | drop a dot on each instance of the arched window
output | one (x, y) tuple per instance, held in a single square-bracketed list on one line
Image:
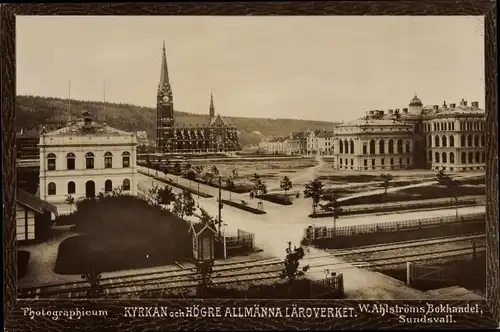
[(108, 186), (430, 156), (452, 141), (108, 160), (483, 141), (469, 140), (464, 158), (436, 157), (71, 187), (407, 146), (436, 140), (483, 157), (476, 140), (70, 161), (381, 146), (341, 147), (452, 158), (462, 141), (89, 160), (444, 142), (365, 149), (372, 146), (471, 157), (352, 146), (400, 146), (391, 146), (126, 159), (51, 162), (443, 155), (52, 188), (477, 157), (126, 184)]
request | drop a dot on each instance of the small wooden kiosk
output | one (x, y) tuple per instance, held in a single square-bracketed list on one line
[(203, 241)]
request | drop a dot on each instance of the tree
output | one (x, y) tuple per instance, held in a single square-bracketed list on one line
[(234, 173), (229, 183), (286, 184), (292, 263), (177, 208), (94, 280), (261, 188), (205, 217), (386, 178), (188, 204), (199, 170), (451, 185), (208, 177), (190, 175), (334, 206), (314, 190), (187, 166), (161, 196), (204, 269), (70, 200), (215, 171), (177, 168)]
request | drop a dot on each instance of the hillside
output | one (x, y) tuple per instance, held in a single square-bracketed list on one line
[(33, 110)]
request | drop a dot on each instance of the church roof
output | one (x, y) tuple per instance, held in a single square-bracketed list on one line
[(200, 121)]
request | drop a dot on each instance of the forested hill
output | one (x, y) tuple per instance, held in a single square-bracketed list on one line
[(32, 111)]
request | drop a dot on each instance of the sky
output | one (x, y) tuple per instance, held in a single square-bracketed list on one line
[(331, 68)]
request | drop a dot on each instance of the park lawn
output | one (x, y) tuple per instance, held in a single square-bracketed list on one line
[(416, 193), (120, 233)]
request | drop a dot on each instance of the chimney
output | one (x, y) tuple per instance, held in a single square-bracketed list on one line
[(453, 105), (391, 112), (435, 107), (463, 102), (475, 104), (444, 104), (405, 110)]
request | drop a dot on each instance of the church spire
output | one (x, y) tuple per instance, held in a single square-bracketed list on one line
[(212, 107), (164, 81)]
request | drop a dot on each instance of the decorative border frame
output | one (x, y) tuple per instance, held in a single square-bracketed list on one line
[(15, 320)]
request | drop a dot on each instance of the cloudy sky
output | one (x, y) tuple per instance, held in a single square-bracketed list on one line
[(319, 68)]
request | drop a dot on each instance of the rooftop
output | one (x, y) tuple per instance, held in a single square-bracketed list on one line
[(35, 203), (81, 127)]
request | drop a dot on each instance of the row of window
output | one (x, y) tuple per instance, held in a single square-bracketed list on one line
[(464, 126), (465, 141), (89, 160), (108, 186), (465, 158), (382, 161), (348, 147)]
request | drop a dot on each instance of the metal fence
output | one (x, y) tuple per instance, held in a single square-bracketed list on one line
[(243, 239), (314, 233)]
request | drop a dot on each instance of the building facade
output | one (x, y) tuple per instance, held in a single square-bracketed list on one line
[(320, 142), (86, 158), (446, 137), (196, 134), (291, 145), (33, 217)]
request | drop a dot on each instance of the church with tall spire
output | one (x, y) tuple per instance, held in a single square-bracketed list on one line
[(203, 133)]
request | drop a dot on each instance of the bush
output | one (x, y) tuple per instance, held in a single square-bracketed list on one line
[(243, 207), (119, 232), (23, 258), (276, 198), (238, 189)]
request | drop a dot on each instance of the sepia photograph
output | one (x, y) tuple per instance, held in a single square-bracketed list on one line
[(251, 157)]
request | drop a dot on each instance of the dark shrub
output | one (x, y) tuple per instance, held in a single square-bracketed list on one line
[(243, 207), (276, 198)]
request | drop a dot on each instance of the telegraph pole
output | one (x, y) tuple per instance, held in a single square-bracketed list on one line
[(220, 204)]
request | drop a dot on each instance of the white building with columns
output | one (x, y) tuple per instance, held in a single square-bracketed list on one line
[(447, 137), (86, 158)]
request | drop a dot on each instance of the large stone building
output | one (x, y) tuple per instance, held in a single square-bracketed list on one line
[(320, 142), (447, 137), (196, 134), (85, 158), (293, 144)]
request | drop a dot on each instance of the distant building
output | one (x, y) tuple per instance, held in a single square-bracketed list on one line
[(85, 158), (320, 142), (290, 145), (27, 144), (33, 217), (448, 137), (207, 133)]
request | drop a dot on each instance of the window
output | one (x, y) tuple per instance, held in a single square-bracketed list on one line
[(108, 186), (382, 161), (452, 158), (373, 162), (444, 157), (464, 157), (352, 162), (391, 146), (471, 157), (352, 146), (126, 185), (452, 141), (89, 160), (341, 161), (70, 161), (483, 142), (444, 142), (108, 160), (51, 162), (407, 146), (462, 141), (469, 140), (52, 188), (381, 146), (476, 140), (436, 157), (372, 146), (430, 156), (408, 161), (365, 162), (436, 141), (401, 161), (477, 157), (341, 147), (125, 159), (365, 148), (392, 161), (71, 188)]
